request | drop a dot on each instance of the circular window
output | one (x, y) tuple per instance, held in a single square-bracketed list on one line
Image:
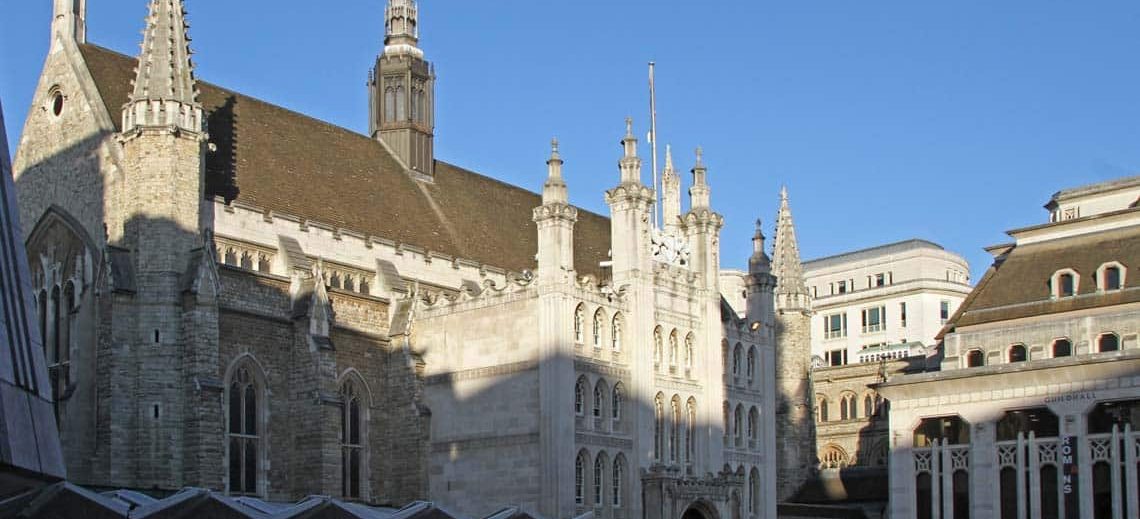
[(57, 103)]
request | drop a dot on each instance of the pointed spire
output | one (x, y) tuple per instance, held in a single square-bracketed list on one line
[(670, 193), (554, 191), (165, 91), (791, 288), (699, 194)]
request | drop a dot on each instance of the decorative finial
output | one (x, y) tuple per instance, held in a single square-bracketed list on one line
[(759, 225), (700, 156), (668, 157), (629, 127), (784, 193), (554, 147)]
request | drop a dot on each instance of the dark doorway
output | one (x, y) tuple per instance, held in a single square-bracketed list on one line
[(693, 513)]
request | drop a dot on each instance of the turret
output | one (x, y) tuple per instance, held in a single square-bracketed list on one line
[(795, 427), (631, 206), (555, 219), (402, 92), (700, 194), (761, 282), (702, 227)]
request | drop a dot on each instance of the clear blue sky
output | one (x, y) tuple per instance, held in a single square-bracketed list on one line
[(951, 121)]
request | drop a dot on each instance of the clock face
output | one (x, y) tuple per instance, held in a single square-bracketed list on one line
[(669, 248)]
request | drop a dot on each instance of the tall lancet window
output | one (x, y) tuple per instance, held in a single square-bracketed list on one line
[(657, 346), (673, 349), (616, 331), (389, 105), (579, 324), (244, 433), (401, 104), (599, 328), (352, 440), (675, 430), (690, 434), (658, 426), (689, 351)]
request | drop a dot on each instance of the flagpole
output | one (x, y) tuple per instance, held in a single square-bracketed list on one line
[(653, 141)]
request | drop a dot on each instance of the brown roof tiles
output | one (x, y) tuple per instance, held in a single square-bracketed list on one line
[(276, 159)]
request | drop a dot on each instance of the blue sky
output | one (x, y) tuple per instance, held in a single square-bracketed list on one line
[(950, 121)]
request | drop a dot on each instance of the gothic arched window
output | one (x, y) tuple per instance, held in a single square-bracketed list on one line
[(244, 432), (737, 353), (753, 427), (580, 479), (353, 438), (751, 367), (579, 324), (673, 348), (658, 426), (738, 425), (690, 432), (675, 430), (754, 491), (580, 397), (599, 399), (599, 478), (868, 407), (1018, 353), (616, 482), (599, 327), (615, 332), (689, 351), (618, 400), (1108, 342), (657, 346)]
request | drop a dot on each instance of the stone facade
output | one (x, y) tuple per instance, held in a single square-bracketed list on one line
[(1035, 410), (216, 329)]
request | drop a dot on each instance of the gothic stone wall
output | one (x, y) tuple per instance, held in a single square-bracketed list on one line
[(255, 322)]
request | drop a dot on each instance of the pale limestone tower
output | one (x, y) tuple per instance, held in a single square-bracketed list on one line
[(631, 204), (402, 91), (163, 370), (795, 428)]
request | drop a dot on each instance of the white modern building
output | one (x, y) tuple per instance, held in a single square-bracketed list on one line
[(884, 302)]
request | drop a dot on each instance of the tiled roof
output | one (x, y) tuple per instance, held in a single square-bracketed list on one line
[(269, 157), (1017, 285)]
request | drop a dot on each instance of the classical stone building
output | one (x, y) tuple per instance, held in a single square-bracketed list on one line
[(1035, 410), (238, 297)]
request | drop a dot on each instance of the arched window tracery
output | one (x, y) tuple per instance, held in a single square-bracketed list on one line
[(244, 431)]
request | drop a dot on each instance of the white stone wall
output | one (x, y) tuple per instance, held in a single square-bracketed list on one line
[(922, 278)]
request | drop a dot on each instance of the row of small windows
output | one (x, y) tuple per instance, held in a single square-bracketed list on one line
[(599, 337), (659, 349), (600, 483), (396, 105), (1109, 277), (245, 432), (605, 403), (835, 457), (737, 431), (848, 407), (874, 320), (1061, 347)]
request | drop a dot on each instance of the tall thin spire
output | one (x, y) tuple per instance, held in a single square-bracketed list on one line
[(69, 21), (791, 289), (165, 92), (670, 192)]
